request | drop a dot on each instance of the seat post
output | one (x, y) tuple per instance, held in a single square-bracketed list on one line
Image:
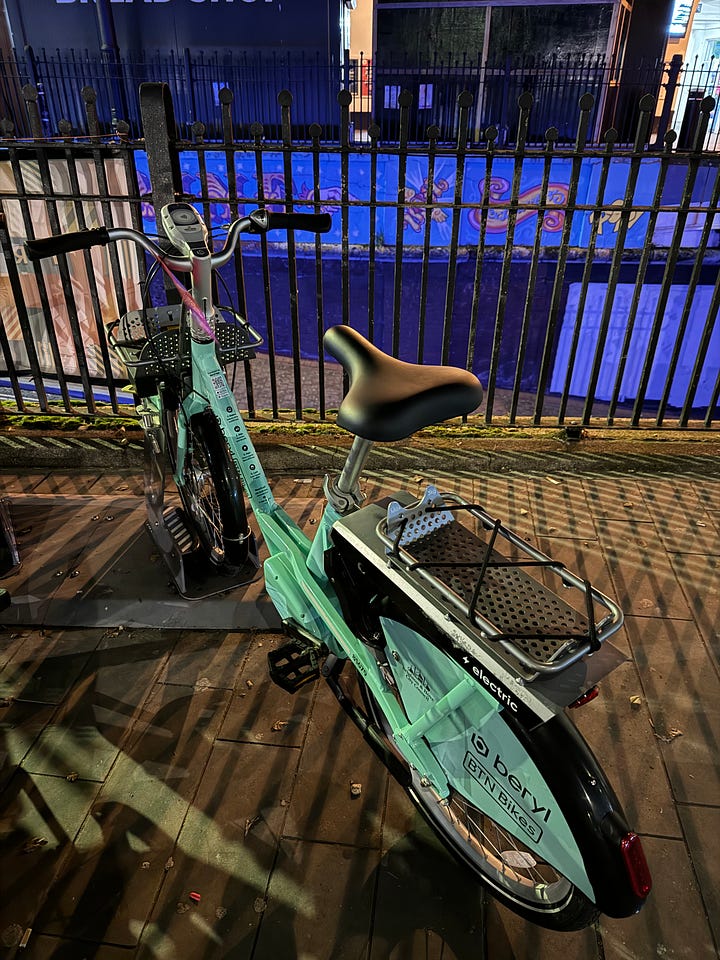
[(344, 493)]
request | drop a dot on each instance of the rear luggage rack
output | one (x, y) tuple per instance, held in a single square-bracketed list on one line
[(497, 593)]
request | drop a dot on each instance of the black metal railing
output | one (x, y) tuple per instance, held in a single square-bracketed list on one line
[(195, 79), (580, 282)]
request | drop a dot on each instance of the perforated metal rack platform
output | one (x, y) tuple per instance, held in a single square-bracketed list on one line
[(510, 599), (521, 608)]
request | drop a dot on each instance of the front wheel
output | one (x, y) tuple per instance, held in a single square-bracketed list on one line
[(211, 490), (529, 887)]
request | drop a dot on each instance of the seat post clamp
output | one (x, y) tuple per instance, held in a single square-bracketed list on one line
[(342, 501)]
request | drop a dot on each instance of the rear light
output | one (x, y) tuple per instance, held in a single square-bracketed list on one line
[(636, 865), (585, 698)]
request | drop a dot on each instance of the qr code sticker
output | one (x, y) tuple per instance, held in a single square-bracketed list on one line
[(220, 386)]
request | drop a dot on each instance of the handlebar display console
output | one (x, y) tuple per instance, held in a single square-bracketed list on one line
[(185, 229)]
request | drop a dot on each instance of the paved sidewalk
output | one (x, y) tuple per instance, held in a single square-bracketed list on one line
[(148, 757)]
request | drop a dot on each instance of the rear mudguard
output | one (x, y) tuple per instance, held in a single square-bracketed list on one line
[(589, 805)]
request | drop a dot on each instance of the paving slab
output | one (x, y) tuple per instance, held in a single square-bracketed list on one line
[(206, 658), (699, 576), (226, 851), (12, 482), (334, 757), (682, 691), (560, 508), (69, 483), (702, 828), (41, 819), (87, 732), (507, 499), (683, 520), (511, 938), (615, 498), (645, 582), (672, 924), (333, 920), (622, 737), (413, 917), (42, 947), (106, 887), (260, 711), (44, 665), (20, 726), (173, 737)]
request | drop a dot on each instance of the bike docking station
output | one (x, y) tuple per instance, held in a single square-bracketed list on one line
[(153, 343)]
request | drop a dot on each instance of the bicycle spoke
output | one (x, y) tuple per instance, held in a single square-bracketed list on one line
[(525, 868)]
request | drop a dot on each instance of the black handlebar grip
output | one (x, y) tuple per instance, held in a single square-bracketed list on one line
[(50, 246), (314, 222)]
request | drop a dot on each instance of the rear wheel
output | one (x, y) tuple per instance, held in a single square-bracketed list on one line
[(529, 887), (211, 490)]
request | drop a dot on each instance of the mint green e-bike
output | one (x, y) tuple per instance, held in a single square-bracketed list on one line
[(466, 654)]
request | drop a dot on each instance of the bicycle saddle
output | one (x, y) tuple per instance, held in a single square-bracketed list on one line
[(389, 399)]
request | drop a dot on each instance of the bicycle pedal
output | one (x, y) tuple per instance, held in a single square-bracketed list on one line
[(180, 532), (294, 664)]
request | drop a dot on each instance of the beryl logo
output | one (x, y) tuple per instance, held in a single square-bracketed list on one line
[(480, 745)]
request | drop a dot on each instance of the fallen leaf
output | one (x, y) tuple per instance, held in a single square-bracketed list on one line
[(672, 733), (34, 844), (280, 725), (250, 823), (355, 789)]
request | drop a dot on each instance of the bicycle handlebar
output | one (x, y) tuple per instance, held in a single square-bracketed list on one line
[(259, 221), (313, 222), (51, 246)]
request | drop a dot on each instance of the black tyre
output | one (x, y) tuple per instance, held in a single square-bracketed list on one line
[(211, 491), (534, 890)]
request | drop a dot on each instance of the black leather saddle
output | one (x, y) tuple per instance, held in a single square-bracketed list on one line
[(389, 399)]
